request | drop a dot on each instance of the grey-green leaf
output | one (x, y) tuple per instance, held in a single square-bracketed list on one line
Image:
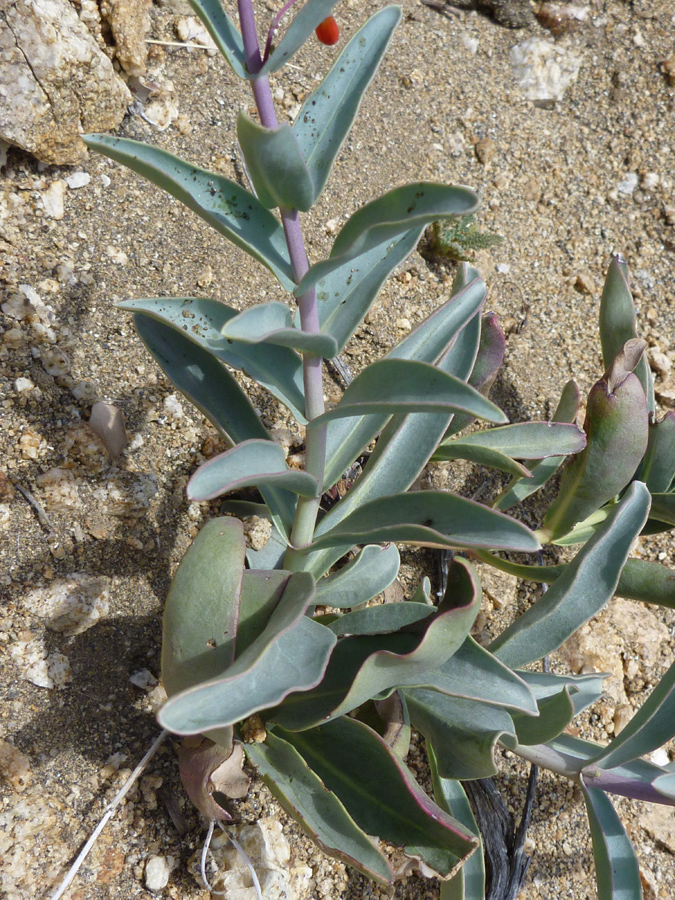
[(463, 733), (585, 586), (202, 378), (431, 519), (277, 369), (391, 386), (616, 865), (291, 654), (526, 440), (346, 438), (275, 164), (518, 490), (271, 323), (252, 463), (327, 115), (366, 576), (202, 608), (317, 810), (652, 726), (225, 35), (658, 465), (389, 217), (306, 21), (383, 619), (362, 667), (223, 204), (618, 322), (347, 292), (472, 673), (381, 795), (469, 882), (199, 375)]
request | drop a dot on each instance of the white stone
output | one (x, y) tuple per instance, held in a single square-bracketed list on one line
[(544, 70), (628, 185), (78, 180), (157, 871), (55, 83), (23, 384), (52, 199), (72, 604)]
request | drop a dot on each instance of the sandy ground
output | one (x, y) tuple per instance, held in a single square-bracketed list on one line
[(567, 186)]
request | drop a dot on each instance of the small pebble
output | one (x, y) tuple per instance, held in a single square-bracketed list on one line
[(485, 150), (23, 384), (156, 873), (628, 185), (78, 180), (584, 283)]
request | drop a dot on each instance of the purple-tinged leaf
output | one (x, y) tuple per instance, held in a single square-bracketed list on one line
[(291, 654), (381, 795), (366, 666), (206, 767), (317, 810), (618, 322), (616, 426)]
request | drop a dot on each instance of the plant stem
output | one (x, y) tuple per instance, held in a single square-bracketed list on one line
[(315, 441)]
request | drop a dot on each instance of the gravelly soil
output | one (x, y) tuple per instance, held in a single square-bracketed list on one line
[(550, 180)]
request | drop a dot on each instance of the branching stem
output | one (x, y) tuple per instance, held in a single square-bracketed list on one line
[(315, 441)]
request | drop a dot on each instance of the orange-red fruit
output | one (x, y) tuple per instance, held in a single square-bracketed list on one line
[(328, 31)]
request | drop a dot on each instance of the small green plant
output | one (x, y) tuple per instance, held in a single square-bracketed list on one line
[(457, 240), (275, 653)]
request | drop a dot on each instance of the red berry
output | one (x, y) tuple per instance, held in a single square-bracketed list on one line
[(328, 32)]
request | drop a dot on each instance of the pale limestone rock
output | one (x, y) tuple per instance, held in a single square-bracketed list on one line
[(659, 822), (55, 82), (53, 199), (543, 69), (72, 604)]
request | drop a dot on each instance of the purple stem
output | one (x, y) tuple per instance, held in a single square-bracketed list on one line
[(303, 527), (274, 26)]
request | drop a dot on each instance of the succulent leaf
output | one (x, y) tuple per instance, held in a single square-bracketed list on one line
[(305, 23), (469, 882), (274, 160), (318, 811), (616, 427), (290, 654), (252, 463), (271, 323), (224, 34), (223, 204), (367, 575), (278, 369), (616, 865), (582, 590), (326, 117), (381, 795), (618, 322)]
